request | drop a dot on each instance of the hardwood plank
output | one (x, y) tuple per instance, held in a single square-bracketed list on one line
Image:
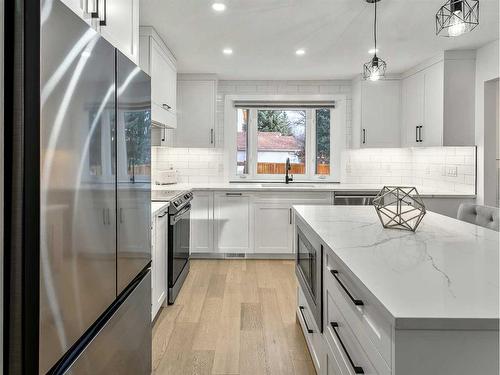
[(251, 316), (253, 353), (162, 330), (227, 352)]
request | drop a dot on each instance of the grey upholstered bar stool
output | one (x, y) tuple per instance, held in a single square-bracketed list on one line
[(484, 216)]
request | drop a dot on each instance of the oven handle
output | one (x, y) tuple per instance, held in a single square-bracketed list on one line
[(174, 219), (301, 309)]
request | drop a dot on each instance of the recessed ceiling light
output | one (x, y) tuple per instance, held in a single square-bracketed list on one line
[(300, 52), (373, 50), (227, 51), (219, 7)]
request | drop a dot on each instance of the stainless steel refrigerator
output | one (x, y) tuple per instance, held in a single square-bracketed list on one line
[(93, 256)]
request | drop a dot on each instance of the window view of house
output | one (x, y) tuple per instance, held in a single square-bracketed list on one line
[(266, 138), (281, 135)]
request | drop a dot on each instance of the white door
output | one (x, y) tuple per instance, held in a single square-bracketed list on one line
[(432, 130), (232, 217), (121, 25), (381, 114), (273, 228), (195, 114), (202, 224), (159, 262), (413, 107)]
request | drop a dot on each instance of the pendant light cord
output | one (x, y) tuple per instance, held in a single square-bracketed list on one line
[(375, 28)]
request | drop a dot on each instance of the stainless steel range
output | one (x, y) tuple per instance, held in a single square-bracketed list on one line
[(178, 237)]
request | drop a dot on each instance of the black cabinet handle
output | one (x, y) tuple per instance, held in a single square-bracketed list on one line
[(95, 10), (416, 134), (364, 136), (166, 106), (357, 369), (211, 136), (357, 302), (234, 194), (301, 309), (290, 216), (420, 133)]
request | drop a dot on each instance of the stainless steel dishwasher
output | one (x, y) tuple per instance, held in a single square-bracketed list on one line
[(354, 198)]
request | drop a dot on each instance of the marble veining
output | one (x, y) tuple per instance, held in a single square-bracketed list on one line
[(448, 269)]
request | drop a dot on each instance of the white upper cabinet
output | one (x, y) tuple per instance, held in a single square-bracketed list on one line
[(196, 95), (157, 60), (438, 101), (376, 113), (116, 20), (119, 25)]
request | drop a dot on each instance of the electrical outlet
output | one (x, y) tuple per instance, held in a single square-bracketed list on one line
[(451, 171)]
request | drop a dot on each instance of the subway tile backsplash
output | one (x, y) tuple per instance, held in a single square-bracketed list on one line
[(194, 165), (446, 169)]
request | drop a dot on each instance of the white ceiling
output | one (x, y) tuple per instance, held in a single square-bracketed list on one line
[(336, 34)]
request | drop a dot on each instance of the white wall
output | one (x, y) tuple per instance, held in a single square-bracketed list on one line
[(487, 69), (1, 180)]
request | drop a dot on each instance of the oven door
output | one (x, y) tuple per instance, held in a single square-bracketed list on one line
[(309, 274), (178, 249)]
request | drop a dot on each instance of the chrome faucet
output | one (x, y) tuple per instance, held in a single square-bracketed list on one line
[(288, 168)]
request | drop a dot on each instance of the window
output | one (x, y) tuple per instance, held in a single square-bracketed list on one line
[(281, 135), (309, 134)]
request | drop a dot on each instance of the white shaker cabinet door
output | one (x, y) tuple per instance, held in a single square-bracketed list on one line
[(196, 113), (120, 25), (202, 224), (159, 262), (432, 130), (273, 228), (233, 223), (413, 108), (380, 116)]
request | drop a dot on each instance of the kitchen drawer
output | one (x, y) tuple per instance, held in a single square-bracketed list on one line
[(367, 322), (314, 338), (347, 356)]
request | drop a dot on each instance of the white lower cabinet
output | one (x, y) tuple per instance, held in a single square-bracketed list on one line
[(233, 222), (259, 223), (159, 261), (202, 223), (273, 228)]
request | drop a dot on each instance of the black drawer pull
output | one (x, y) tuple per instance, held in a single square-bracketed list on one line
[(309, 330), (357, 302), (357, 369)]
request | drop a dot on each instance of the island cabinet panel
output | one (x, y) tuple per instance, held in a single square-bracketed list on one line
[(314, 337), (446, 352), (345, 345), (360, 310)]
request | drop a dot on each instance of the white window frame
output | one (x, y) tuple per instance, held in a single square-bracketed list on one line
[(338, 127)]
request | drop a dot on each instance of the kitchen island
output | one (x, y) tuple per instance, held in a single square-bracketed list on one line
[(398, 302)]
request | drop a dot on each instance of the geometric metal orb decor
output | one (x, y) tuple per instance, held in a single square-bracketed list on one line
[(457, 17), (399, 207)]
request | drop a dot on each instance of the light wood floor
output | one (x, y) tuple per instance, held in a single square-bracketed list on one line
[(233, 317)]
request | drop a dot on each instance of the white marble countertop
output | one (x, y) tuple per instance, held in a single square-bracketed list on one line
[(446, 275), (158, 206), (300, 186)]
